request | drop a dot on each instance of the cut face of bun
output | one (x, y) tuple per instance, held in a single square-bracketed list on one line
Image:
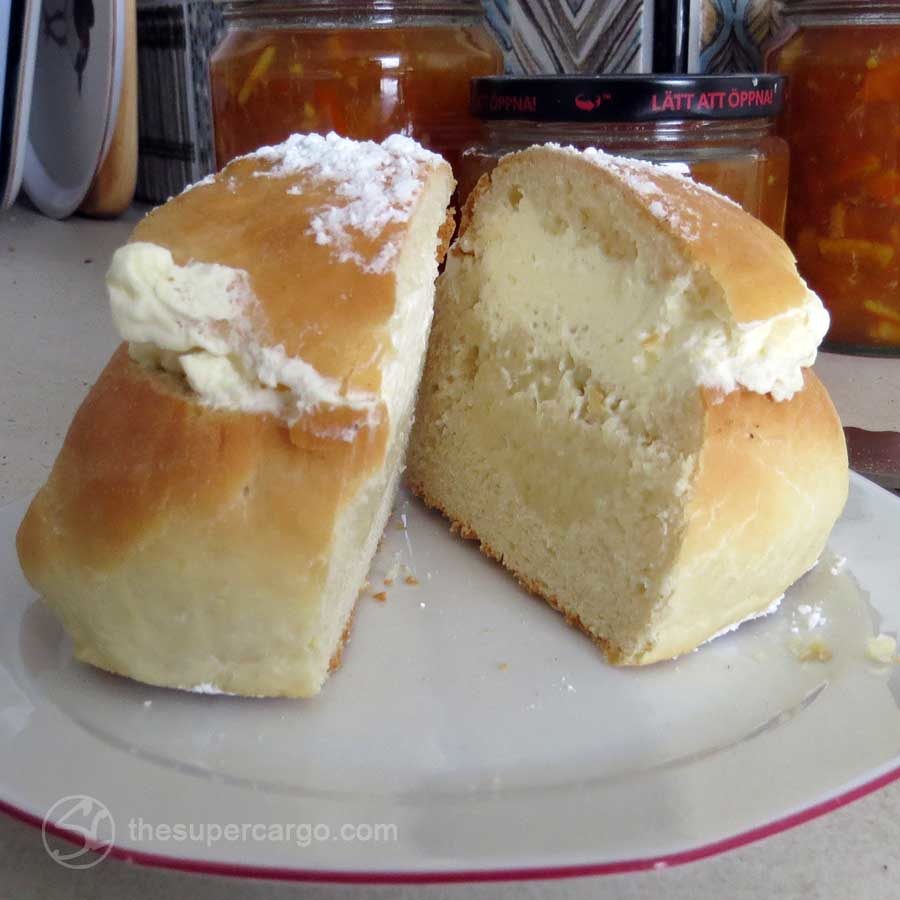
[(617, 401), (219, 496)]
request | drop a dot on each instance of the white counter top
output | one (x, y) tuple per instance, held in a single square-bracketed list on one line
[(56, 335)]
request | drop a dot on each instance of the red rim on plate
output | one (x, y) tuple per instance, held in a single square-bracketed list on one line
[(616, 867)]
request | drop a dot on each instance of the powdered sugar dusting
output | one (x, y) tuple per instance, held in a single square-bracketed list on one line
[(639, 174), (203, 182), (208, 687), (771, 608), (379, 184)]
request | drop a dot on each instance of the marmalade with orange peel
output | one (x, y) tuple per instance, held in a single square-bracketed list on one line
[(362, 82), (842, 121)]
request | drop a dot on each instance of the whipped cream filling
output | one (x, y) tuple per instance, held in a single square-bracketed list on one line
[(194, 320), (765, 356)]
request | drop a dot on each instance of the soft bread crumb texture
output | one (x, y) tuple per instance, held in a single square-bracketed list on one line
[(562, 423), (185, 544)]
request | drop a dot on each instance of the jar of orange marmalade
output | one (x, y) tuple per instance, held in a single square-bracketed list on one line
[(842, 120), (718, 129), (362, 68)]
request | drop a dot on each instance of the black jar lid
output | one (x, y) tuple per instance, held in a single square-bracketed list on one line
[(626, 98)]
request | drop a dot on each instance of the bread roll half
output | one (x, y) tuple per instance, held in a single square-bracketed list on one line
[(617, 401), (220, 493)]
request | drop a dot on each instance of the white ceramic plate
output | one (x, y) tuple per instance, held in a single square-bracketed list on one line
[(5, 9), (488, 737), (22, 18), (77, 83)]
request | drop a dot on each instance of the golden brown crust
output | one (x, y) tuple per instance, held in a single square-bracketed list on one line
[(141, 450), (175, 541), (332, 314), (445, 234), (744, 428), (184, 545), (767, 456), (755, 268), (337, 658), (482, 186), (771, 480)]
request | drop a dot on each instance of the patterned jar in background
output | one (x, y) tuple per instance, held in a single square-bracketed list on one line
[(176, 38), (614, 36), (175, 137), (733, 34)]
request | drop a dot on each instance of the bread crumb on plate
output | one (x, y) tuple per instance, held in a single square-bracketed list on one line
[(882, 649), (815, 650)]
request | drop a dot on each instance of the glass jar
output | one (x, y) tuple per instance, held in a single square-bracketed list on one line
[(362, 69), (842, 120), (718, 129)]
